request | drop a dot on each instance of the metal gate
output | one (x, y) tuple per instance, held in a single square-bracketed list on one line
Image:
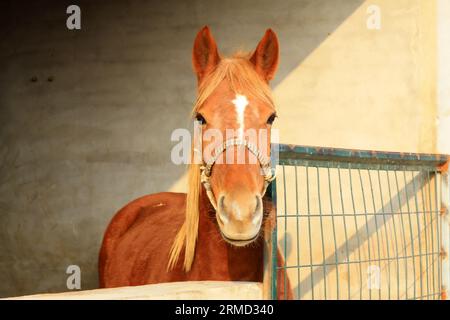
[(356, 224)]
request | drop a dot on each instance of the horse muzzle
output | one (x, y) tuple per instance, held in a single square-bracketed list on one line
[(239, 219)]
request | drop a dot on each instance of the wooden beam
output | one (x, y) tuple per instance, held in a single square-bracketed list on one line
[(202, 290)]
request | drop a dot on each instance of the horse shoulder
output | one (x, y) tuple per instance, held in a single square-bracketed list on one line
[(133, 214)]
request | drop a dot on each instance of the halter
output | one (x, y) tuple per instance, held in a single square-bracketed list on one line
[(206, 168)]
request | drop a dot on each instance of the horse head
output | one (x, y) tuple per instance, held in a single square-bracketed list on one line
[(235, 112)]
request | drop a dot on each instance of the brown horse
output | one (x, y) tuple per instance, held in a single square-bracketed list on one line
[(214, 231)]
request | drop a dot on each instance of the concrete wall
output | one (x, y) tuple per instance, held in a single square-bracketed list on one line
[(364, 88), (443, 76), (86, 116)]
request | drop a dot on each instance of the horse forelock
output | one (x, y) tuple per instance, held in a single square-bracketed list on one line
[(242, 77)]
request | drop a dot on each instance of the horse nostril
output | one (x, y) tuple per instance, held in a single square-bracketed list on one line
[(257, 214), (221, 204), (258, 206), (222, 213)]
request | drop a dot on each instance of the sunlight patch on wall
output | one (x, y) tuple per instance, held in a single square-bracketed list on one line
[(367, 89)]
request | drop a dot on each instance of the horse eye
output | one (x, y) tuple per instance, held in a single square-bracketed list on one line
[(200, 118), (271, 118)]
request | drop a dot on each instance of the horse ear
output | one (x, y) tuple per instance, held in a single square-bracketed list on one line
[(265, 57), (205, 55)]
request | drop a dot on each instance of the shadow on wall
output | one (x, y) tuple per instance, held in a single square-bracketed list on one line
[(86, 116)]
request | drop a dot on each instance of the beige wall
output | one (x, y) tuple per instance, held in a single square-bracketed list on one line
[(443, 76), (367, 89)]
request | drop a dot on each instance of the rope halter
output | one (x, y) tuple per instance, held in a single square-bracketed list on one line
[(206, 168)]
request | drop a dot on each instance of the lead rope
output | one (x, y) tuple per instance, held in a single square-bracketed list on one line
[(205, 169)]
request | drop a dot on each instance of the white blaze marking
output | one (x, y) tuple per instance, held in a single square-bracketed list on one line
[(240, 103)]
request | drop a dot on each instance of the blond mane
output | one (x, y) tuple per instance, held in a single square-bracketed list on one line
[(239, 72)]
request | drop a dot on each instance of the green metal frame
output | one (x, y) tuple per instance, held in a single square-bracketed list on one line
[(294, 155)]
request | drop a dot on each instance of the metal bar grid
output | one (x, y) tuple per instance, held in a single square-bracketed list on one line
[(359, 224)]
